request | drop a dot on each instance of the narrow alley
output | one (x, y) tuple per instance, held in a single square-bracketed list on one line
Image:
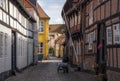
[(47, 71)]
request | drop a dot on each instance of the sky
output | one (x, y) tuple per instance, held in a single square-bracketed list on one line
[(53, 9)]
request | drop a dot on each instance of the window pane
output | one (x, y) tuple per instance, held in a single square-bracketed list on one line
[(41, 26), (116, 33), (4, 17), (109, 35)]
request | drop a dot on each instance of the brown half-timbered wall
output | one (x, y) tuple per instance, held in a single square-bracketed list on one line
[(108, 14)]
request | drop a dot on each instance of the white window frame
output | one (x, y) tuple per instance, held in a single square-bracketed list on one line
[(11, 7), (41, 48), (109, 35), (116, 33), (15, 12), (4, 17), (90, 41), (41, 25)]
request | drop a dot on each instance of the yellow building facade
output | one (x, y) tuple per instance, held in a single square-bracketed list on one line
[(43, 34)]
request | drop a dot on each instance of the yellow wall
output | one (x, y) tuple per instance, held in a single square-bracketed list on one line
[(43, 37)]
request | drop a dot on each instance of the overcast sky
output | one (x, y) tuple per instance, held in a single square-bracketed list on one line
[(53, 9)]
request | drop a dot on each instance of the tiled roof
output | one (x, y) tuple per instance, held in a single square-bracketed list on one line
[(20, 3), (59, 28), (41, 12), (27, 4)]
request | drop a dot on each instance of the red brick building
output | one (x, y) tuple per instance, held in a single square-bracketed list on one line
[(94, 26)]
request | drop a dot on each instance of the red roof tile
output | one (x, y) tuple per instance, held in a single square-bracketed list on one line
[(41, 12)]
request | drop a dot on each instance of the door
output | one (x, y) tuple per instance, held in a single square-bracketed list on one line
[(13, 51), (101, 48)]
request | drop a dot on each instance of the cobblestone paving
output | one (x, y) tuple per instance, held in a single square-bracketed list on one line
[(47, 71)]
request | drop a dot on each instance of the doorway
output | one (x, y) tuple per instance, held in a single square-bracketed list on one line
[(13, 51), (101, 47)]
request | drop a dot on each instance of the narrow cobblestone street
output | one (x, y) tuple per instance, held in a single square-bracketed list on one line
[(47, 71)]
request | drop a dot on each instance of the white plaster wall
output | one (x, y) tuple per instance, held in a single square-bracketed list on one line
[(5, 60)]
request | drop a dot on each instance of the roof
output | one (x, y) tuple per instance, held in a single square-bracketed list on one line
[(29, 4), (59, 28), (41, 12), (24, 10)]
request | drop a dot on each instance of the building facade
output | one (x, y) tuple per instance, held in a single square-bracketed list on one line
[(59, 46), (31, 7), (94, 26), (43, 33), (16, 37), (55, 31)]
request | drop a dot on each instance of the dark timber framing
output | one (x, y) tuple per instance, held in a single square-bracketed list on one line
[(26, 15), (95, 49)]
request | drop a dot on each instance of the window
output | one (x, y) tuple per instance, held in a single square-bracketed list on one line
[(90, 40), (109, 35), (41, 48), (11, 9), (41, 26), (4, 17), (91, 13), (116, 34), (15, 12)]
